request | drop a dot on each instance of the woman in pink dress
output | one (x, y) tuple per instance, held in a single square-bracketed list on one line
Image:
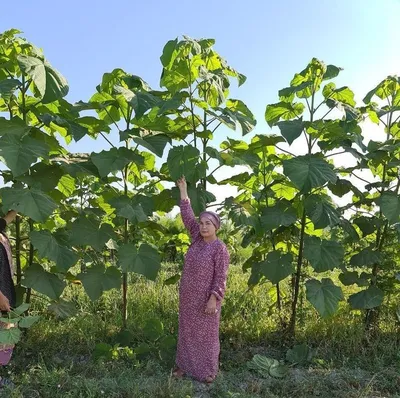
[(201, 291)]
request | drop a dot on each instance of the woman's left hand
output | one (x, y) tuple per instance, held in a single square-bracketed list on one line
[(10, 216), (211, 307)]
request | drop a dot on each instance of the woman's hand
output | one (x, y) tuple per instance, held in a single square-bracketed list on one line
[(181, 184), (4, 303), (10, 216), (211, 307)]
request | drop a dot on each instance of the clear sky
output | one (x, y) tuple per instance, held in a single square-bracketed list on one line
[(266, 40)]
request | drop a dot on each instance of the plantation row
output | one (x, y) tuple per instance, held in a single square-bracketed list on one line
[(100, 211)]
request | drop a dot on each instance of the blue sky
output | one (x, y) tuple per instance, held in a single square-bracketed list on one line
[(268, 41)]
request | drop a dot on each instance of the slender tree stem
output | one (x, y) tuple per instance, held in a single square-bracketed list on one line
[(292, 322), (102, 134), (285, 151)]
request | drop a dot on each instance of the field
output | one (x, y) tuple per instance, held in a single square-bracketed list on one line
[(59, 358)]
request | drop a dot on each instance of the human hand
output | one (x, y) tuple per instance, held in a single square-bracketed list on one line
[(10, 216), (211, 307), (181, 184), (4, 303)]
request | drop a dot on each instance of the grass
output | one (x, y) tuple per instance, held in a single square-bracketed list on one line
[(56, 358)]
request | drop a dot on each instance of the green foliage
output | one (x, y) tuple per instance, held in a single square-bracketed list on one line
[(324, 296), (97, 279), (100, 210), (145, 261), (323, 255), (307, 172), (55, 248), (277, 266), (43, 281), (299, 355), (367, 299), (11, 333), (266, 366)]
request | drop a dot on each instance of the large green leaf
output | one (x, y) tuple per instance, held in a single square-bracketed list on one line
[(283, 110), (88, 232), (27, 321), (308, 172), (367, 225), (63, 309), (239, 216), (112, 278), (323, 255), (241, 114), (367, 299), (267, 367), (52, 247), (324, 296), (97, 279), (153, 329), (146, 202), (384, 89), (350, 232), (321, 211), (7, 88), (169, 54), (127, 208), (259, 142), (299, 354), (282, 213), (184, 161), (66, 185), (341, 187), (314, 73), (49, 82), (141, 101), (79, 168), (343, 95), (331, 72), (19, 154), (10, 336), (366, 257), (30, 202), (14, 126), (43, 176), (154, 143), (165, 200), (390, 205), (199, 198), (291, 129), (277, 266), (288, 92), (114, 160), (43, 282), (146, 261), (349, 278)]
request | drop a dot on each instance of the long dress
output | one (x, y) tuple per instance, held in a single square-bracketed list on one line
[(6, 287), (204, 273)]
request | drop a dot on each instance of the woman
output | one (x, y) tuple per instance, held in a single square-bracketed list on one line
[(7, 290), (201, 291)]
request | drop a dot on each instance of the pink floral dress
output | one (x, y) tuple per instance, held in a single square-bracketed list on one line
[(204, 273)]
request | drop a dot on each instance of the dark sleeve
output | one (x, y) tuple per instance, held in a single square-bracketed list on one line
[(3, 224)]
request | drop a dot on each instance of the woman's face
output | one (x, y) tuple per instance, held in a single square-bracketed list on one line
[(207, 228)]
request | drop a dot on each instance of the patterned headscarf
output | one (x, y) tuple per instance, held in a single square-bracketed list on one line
[(213, 217)]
